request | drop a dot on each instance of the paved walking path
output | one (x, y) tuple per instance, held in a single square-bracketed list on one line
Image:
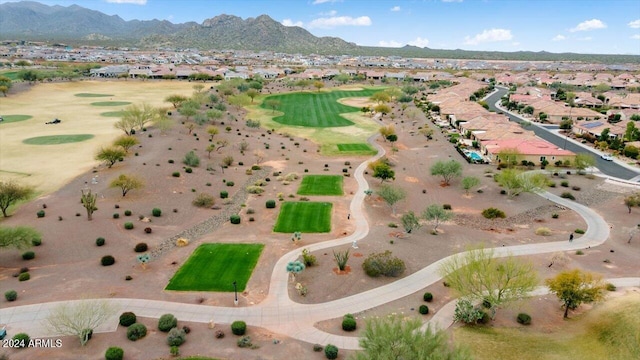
[(280, 314)]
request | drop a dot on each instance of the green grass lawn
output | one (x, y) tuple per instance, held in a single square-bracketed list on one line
[(315, 109), (214, 267), (110, 103), (92, 95), (13, 75), (14, 118), (56, 139), (305, 217), (112, 113), (356, 148), (321, 185)]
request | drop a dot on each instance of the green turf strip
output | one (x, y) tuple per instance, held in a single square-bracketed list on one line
[(92, 95), (321, 185), (214, 267), (305, 217), (315, 109), (112, 114), (57, 139), (14, 118), (110, 103), (354, 147)]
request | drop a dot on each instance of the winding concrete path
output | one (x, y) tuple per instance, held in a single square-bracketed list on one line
[(280, 314)]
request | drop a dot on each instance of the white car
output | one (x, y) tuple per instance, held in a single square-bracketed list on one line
[(606, 157)]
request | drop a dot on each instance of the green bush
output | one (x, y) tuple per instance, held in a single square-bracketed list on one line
[(485, 318), (11, 295), (331, 351), (224, 194), (235, 219), (156, 212), (423, 309), (446, 206), (270, 204), (567, 195), (493, 213), (608, 286), (255, 167), (140, 247), (578, 231), (40, 213), (21, 340), (127, 319), (427, 297), (36, 241), (176, 337), (174, 350), (245, 342), (239, 328), (107, 260), (188, 170), (29, 255), (317, 347), (203, 200), (114, 353), (167, 322), (383, 264), (230, 183), (523, 319), (100, 241), (127, 213), (191, 159), (564, 183), (24, 276), (349, 323), (128, 225), (175, 174), (136, 331), (116, 215)]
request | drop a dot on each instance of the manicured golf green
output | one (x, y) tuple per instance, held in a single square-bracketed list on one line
[(110, 103), (92, 95), (14, 118), (214, 267), (315, 109), (305, 217), (358, 147), (112, 114), (321, 185), (57, 139)]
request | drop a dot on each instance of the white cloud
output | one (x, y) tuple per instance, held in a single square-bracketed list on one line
[(335, 21), (559, 38), (419, 42), (491, 35), (390, 43), (592, 24), (316, 2), (634, 24), (289, 22), (136, 2), (635, 37), (586, 38), (395, 8)]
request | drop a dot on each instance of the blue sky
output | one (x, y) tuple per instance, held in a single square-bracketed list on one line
[(586, 26)]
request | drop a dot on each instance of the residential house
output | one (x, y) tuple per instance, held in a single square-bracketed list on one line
[(535, 150)]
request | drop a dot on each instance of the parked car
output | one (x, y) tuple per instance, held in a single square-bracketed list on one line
[(606, 157)]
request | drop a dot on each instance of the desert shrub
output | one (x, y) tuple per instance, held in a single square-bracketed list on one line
[(307, 258), (255, 189), (156, 212), (127, 318), (21, 340), (524, 319), (188, 170), (383, 264), (251, 211), (116, 215), (203, 200), (176, 337), (29, 255), (543, 231), (171, 161), (224, 194), (239, 328), (245, 342), (147, 230), (219, 334), (114, 353), (11, 295), (100, 241), (40, 213), (567, 195), (493, 213), (552, 184), (167, 322), (349, 323), (107, 260), (230, 183), (555, 215), (175, 174), (579, 252), (331, 351), (608, 286), (127, 213), (136, 331), (24, 276), (485, 318), (128, 225), (576, 188), (423, 309), (140, 247), (578, 231), (317, 347), (564, 183), (255, 167), (36, 241), (235, 219), (446, 206), (186, 329), (191, 159), (270, 204), (174, 351), (427, 297), (291, 177)]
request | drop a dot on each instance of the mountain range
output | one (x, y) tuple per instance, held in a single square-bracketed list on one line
[(76, 25)]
